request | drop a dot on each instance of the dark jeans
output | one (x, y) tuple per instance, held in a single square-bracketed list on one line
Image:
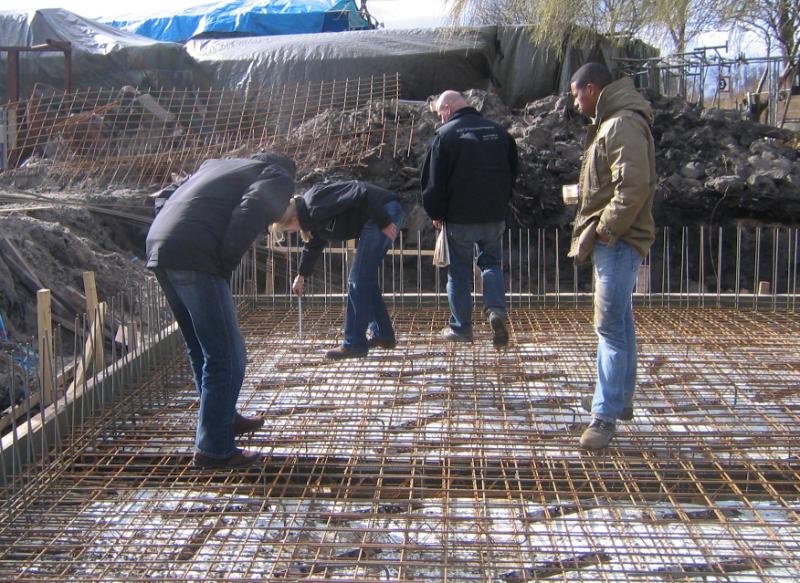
[(463, 240), (203, 307), (365, 306)]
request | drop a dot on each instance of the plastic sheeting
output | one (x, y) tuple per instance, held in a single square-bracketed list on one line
[(102, 56), (34, 27), (428, 61), (524, 71), (248, 18)]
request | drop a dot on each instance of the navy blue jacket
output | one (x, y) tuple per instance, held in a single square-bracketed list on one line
[(209, 222), (469, 170), (337, 211)]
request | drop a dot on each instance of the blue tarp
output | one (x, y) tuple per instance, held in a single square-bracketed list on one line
[(248, 18)]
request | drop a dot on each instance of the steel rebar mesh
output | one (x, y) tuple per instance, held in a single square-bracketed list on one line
[(142, 139), (442, 462)]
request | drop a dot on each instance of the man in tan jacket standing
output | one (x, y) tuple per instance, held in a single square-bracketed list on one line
[(614, 225)]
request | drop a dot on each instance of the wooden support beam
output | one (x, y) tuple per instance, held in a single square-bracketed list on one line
[(90, 290), (94, 338), (45, 336)]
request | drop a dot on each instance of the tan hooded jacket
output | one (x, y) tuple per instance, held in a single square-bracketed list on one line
[(618, 175)]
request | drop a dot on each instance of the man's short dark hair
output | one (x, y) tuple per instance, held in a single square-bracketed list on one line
[(595, 73)]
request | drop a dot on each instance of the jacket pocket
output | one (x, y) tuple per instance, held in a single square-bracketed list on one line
[(584, 243)]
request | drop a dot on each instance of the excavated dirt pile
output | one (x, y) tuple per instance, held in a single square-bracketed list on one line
[(714, 168)]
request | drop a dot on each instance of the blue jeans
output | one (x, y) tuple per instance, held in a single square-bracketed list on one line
[(462, 241), (203, 307), (615, 271), (365, 307)]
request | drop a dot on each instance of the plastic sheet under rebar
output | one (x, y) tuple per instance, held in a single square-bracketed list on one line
[(440, 462)]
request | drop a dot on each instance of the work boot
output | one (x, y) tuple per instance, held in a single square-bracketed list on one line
[(242, 424), (499, 331), (598, 435), (384, 343), (343, 352), (451, 335), (627, 412), (242, 458)]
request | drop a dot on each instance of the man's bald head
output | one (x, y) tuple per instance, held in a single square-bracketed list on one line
[(448, 103)]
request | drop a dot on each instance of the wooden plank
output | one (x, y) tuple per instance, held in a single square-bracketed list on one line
[(90, 289), (89, 349), (45, 337), (17, 411)]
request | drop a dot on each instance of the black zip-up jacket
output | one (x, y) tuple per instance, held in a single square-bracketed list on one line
[(209, 222), (337, 211), (469, 170)]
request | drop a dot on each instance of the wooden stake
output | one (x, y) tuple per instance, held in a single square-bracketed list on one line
[(45, 324), (90, 348), (90, 290)]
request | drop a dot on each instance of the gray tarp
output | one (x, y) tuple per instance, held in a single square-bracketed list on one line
[(427, 60), (102, 56)]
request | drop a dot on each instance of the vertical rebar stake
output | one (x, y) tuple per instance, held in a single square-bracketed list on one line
[(300, 316)]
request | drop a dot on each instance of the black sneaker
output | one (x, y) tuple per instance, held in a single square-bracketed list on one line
[(451, 335), (341, 353), (598, 435), (499, 331), (241, 459), (627, 412)]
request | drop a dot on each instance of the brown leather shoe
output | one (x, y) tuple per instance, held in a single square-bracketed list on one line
[(242, 424), (242, 458), (342, 353)]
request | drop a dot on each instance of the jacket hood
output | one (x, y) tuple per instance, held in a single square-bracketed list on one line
[(619, 95)]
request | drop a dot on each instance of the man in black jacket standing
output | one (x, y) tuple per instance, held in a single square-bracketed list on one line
[(193, 246), (469, 171)]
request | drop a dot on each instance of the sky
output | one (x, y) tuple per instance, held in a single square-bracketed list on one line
[(392, 13)]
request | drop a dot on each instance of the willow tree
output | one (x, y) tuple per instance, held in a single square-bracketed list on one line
[(683, 21), (775, 21), (553, 22)]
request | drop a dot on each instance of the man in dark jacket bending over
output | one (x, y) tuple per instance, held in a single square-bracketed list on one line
[(341, 211), (193, 246), (469, 170)]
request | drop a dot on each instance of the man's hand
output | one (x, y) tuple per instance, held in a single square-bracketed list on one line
[(603, 238), (298, 285), (436, 224), (390, 231)]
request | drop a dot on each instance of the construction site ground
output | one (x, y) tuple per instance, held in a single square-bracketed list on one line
[(440, 462)]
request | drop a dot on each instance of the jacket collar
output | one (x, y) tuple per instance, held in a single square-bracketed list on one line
[(619, 95), (462, 112)]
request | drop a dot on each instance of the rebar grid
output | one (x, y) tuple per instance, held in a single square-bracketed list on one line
[(142, 139), (442, 462)]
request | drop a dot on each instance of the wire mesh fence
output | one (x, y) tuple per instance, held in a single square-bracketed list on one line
[(144, 138)]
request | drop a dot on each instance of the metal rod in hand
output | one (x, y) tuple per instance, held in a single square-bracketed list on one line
[(300, 315)]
